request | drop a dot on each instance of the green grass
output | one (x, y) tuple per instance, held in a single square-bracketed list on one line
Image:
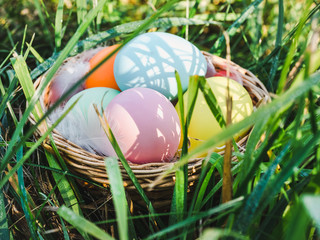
[(276, 181)]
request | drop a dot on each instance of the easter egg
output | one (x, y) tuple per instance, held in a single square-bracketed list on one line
[(151, 59), (145, 125), (103, 76), (203, 124), (83, 123)]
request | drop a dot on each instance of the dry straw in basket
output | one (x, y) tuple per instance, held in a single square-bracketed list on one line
[(92, 166)]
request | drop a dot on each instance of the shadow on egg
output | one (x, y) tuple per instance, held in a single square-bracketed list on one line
[(150, 60)]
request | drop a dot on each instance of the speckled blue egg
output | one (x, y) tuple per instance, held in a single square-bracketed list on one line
[(151, 59)]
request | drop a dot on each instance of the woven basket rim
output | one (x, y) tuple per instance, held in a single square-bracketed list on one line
[(92, 166)]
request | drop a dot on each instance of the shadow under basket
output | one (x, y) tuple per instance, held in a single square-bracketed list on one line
[(91, 166)]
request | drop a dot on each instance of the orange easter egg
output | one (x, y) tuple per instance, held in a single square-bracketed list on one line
[(103, 76)]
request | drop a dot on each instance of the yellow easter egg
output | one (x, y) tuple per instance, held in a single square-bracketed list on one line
[(203, 124)]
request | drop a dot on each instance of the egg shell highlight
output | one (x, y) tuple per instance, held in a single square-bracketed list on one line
[(145, 125), (85, 120), (103, 76), (151, 59), (203, 125)]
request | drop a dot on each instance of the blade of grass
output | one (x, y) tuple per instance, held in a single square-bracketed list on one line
[(118, 196), (43, 22), (22, 73), (231, 31), (235, 170), (25, 55), (247, 212), (82, 224), (23, 39), (204, 184), (292, 50), (275, 62), (58, 25), (81, 10), (64, 229), (274, 216), (35, 53), (253, 140), (7, 96), (64, 186), (299, 154), (4, 227), (179, 203), (24, 200), (274, 130)]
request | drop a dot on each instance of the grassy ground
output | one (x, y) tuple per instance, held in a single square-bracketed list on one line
[(276, 186)]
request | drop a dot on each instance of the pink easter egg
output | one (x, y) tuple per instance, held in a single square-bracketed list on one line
[(145, 125)]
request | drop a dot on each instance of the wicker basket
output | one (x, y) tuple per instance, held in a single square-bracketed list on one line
[(91, 166)]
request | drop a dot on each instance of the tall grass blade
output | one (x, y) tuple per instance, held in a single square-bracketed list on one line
[(64, 186), (81, 10), (23, 39), (118, 196), (302, 150), (247, 212), (58, 25), (275, 62), (275, 215), (4, 227), (23, 75), (84, 226), (24, 198), (182, 116), (219, 45), (253, 140), (235, 170), (35, 53), (292, 49), (46, 30), (216, 158)]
